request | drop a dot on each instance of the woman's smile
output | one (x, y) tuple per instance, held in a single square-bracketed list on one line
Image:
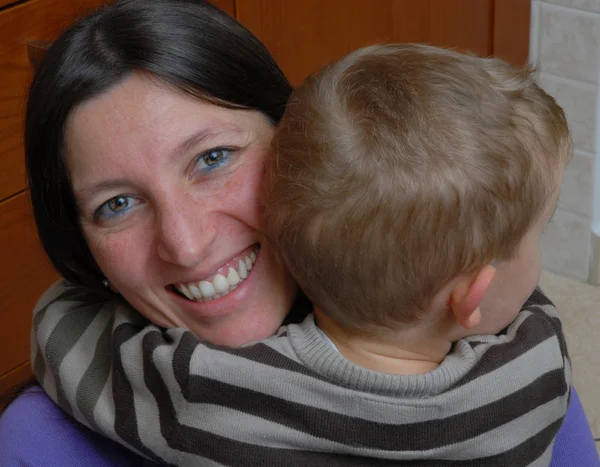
[(226, 279), (220, 305)]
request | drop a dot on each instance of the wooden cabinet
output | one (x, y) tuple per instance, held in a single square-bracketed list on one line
[(20, 25), (25, 271), (301, 34), (510, 39), (24, 276), (228, 6)]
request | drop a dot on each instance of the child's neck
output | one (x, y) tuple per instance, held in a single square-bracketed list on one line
[(409, 353)]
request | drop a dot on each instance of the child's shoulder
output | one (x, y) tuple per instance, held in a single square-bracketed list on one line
[(537, 321), (540, 309)]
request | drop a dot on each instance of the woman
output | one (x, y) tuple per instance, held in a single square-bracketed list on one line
[(147, 127)]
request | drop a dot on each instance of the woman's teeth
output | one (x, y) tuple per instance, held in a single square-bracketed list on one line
[(220, 285)]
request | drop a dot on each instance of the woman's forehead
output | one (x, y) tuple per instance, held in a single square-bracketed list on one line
[(142, 118), (142, 107)]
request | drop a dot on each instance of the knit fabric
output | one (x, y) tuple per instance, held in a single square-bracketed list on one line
[(293, 400)]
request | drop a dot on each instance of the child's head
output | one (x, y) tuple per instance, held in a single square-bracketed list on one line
[(401, 168)]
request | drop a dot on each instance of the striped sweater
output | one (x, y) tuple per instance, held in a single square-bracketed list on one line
[(292, 400)]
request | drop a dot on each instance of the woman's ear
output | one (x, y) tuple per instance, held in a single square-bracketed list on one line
[(468, 294)]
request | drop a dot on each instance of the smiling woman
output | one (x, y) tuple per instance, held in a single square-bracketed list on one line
[(169, 208)]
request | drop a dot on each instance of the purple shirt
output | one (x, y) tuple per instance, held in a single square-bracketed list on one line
[(34, 432)]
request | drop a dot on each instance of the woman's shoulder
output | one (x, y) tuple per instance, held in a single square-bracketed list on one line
[(36, 432), (66, 300), (64, 292)]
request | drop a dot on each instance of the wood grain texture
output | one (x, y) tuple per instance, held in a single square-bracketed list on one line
[(303, 35), (25, 22), (12, 382), (4, 3), (25, 274), (228, 6), (511, 30), (459, 24)]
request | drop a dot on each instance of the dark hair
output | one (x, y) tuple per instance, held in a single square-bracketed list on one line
[(188, 44)]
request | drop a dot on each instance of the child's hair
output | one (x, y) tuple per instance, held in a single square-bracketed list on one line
[(400, 167)]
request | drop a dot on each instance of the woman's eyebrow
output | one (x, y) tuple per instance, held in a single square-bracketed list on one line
[(88, 192), (205, 134)]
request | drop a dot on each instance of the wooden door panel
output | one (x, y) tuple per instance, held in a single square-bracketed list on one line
[(228, 6), (25, 274), (303, 35), (19, 25), (461, 24), (511, 30)]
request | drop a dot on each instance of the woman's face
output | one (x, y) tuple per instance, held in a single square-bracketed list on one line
[(167, 188)]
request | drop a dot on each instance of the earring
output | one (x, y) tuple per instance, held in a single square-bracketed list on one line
[(105, 284)]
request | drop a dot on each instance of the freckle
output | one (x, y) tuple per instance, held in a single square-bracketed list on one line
[(113, 243)]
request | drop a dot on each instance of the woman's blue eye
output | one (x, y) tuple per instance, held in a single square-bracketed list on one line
[(116, 206), (213, 158)]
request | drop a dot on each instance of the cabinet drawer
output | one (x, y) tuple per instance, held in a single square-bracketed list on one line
[(19, 25), (25, 273)]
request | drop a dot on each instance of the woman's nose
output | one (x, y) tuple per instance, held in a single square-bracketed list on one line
[(184, 236)]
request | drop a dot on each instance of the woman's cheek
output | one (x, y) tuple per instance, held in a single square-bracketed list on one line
[(244, 190), (120, 255)]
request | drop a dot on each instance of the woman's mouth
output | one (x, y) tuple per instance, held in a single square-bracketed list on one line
[(227, 279)]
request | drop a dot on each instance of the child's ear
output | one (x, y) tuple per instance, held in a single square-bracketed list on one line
[(468, 294)]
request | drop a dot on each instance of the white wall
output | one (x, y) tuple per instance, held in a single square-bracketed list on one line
[(565, 47)]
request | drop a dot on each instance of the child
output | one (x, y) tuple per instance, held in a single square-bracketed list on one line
[(408, 193)]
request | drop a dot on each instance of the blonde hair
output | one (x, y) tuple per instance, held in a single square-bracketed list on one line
[(399, 168)]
